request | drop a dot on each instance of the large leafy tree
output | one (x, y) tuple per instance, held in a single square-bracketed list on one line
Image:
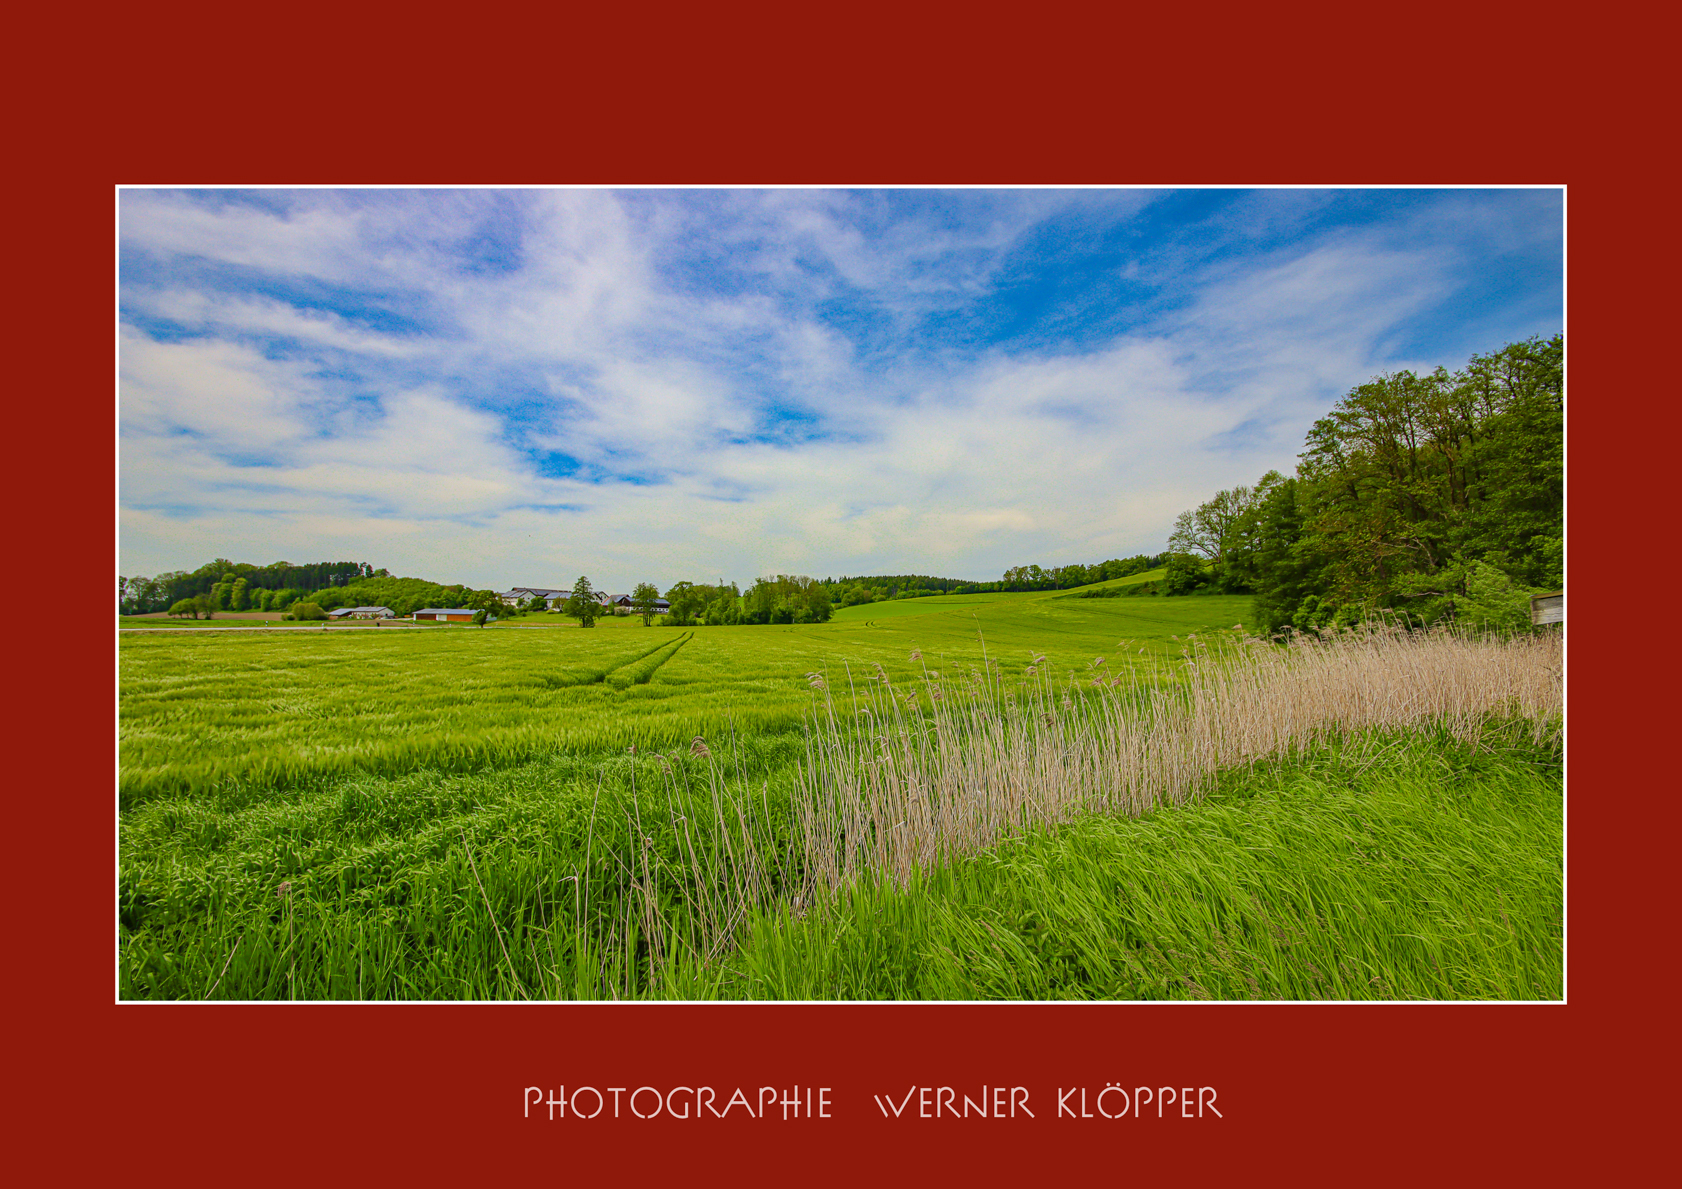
[(643, 601), (687, 601), (1207, 529), (582, 604)]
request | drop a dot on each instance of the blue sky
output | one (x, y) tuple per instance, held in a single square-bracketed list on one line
[(518, 387)]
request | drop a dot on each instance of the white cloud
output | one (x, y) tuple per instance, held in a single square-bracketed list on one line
[(217, 390), (319, 239), (960, 464), (266, 316)]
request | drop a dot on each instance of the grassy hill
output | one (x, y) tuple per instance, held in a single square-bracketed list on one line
[(1139, 579)]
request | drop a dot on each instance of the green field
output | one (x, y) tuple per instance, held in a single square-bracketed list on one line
[(285, 710), (1138, 579), (1385, 867), (465, 813)]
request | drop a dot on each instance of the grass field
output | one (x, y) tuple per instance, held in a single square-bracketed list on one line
[(1378, 867), (199, 710), (628, 811), (1115, 583), (159, 619)]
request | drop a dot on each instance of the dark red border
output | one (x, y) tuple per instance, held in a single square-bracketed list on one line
[(869, 96)]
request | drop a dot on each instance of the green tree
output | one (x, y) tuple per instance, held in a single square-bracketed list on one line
[(687, 602), (238, 597), (787, 598), (1492, 599), (581, 604), (1186, 573), (643, 601), (1516, 481), (1410, 491), (1273, 559), (185, 607), (1211, 530), (480, 616)]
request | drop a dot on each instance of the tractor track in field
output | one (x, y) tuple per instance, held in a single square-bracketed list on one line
[(640, 671)]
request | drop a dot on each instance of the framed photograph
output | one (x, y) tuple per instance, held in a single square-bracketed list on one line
[(924, 649)]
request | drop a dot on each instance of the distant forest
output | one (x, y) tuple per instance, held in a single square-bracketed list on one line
[(224, 585), (137, 596)]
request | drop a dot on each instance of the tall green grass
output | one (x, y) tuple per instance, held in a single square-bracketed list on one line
[(904, 774), (1389, 866), (541, 880), (709, 868)]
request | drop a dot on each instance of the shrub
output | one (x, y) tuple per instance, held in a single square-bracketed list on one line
[(1492, 599), (1185, 574)]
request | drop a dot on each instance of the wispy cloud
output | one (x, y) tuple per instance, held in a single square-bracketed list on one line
[(521, 387)]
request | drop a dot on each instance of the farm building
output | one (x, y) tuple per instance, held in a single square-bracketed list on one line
[(446, 614), (661, 606), (554, 598), (521, 594), (362, 613)]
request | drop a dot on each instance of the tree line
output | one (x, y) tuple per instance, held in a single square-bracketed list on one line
[(1067, 577), (311, 591), (877, 588), (258, 586), (1438, 495), (783, 598), (223, 585)]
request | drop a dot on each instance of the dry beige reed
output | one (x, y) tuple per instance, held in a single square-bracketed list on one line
[(898, 779)]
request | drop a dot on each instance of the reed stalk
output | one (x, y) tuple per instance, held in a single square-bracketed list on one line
[(896, 780)]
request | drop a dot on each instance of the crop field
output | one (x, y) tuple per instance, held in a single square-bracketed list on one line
[(1017, 796), (199, 710)]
